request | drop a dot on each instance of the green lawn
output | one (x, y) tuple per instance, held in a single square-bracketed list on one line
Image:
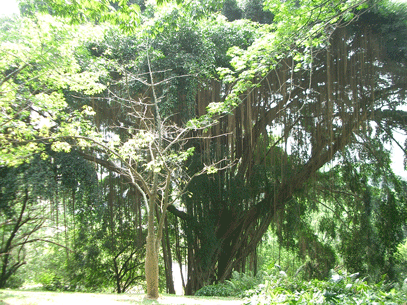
[(17, 297)]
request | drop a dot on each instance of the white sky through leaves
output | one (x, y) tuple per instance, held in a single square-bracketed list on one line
[(8, 7)]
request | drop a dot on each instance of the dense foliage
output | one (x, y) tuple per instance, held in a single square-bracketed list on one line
[(276, 287), (338, 290)]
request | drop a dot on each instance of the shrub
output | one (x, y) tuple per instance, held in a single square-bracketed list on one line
[(237, 286), (220, 290), (243, 282), (14, 282), (52, 282), (338, 290)]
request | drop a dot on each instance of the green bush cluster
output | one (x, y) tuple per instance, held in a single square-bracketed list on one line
[(278, 288), (338, 290), (235, 287), (52, 282), (218, 290)]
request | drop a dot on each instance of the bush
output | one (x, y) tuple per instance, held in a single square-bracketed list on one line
[(339, 290), (14, 282), (52, 282), (243, 282), (236, 286), (219, 290)]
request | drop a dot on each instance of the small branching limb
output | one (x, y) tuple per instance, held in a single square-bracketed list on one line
[(48, 241), (177, 139), (138, 181), (12, 74)]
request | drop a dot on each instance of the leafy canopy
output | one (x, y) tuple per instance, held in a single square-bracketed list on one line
[(38, 64)]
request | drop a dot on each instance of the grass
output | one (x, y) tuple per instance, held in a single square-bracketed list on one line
[(18, 297)]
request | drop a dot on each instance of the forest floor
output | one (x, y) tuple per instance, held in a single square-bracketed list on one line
[(17, 297)]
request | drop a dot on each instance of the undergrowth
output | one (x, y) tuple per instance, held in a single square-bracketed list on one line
[(235, 287), (278, 288)]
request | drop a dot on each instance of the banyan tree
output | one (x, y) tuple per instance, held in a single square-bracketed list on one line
[(286, 129), (307, 109)]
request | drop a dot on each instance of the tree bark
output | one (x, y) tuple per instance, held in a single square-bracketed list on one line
[(6, 270), (168, 261), (151, 267)]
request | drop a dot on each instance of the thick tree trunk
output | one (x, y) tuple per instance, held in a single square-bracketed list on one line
[(239, 238)]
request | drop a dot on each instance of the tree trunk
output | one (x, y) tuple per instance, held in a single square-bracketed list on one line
[(151, 264), (5, 253), (151, 267), (168, 261)]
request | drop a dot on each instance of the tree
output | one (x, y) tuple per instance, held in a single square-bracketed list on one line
[(96, 227), (296, 114), (106, 234), (125, 14), (19, 224), (150, 159), (33, 107), (149, 156), (231, 10), (24, 211), (352, 204), (131, 141), (254, 10)]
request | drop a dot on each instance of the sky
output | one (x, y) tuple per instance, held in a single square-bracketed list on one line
[(8, 7)]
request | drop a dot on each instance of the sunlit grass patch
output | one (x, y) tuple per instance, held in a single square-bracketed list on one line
[(17, 297)]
